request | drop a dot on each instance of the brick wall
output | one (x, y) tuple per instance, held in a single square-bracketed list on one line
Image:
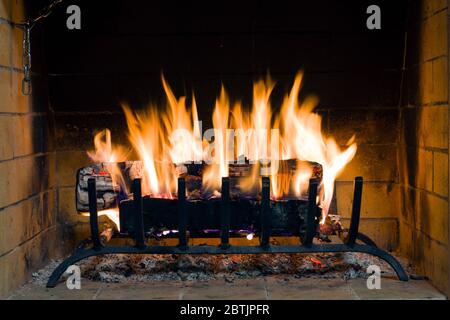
[(28, 229), (423, 152)]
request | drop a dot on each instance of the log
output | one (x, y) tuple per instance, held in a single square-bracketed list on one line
[(286, 216), (106, 235), (109, 193)]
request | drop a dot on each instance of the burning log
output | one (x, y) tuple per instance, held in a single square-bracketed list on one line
[(111, 192), (106, 235)]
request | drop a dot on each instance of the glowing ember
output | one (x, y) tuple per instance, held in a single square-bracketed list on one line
[(165, 140)]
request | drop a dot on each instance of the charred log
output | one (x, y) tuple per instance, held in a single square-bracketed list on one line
[(287, 217), (110, 193)]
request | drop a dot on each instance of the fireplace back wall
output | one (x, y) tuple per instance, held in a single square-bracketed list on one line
[(123, 46)]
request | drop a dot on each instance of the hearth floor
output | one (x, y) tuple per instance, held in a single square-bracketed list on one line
[(268, 287)]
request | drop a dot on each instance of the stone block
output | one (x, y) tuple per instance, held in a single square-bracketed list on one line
[(424, 174), (68, 163), (433, 127), (440, 173), (384, 231), (5, 91), (373, 163), (7, 138), (439, 91), (379, 200), (5, 9), (5, 41), (432, 216), (434, 36)]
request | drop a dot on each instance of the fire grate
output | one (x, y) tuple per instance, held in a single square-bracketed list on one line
[(307, 230)]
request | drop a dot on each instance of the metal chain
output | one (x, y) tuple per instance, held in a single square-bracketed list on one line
[(26, 61), (26, 26)]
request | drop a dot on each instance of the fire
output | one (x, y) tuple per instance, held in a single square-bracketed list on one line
[(165, 140), (112, 214), (110, 156)]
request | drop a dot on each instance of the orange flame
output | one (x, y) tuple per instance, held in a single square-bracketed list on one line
[(107, 154), (164, 140)]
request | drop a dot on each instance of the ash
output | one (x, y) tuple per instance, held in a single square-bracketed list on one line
[(122, 268)]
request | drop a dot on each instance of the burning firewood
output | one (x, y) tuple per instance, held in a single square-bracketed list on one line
[(110, 191), (106, 235)]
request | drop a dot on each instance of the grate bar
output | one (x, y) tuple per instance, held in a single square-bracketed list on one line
[(139, 215), (312, 212), (182, 213), (356, 212), (93, 214), (265, 212), (225, 214)]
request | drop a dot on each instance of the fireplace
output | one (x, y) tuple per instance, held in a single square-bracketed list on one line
[(357, 109)]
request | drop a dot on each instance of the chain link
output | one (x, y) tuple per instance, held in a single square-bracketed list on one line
[(26, 26), (26, 61)]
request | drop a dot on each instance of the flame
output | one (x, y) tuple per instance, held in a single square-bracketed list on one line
[(112, 214), (303, 139), (162, 139), (105, 152), (165, 140), (109, 155)]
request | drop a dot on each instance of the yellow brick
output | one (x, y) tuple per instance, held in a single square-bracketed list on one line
[(68, 162), (17, 10), (16, 267), (434, 36), (425, 82), (5, 90), (8, 183), (19, 223), (23, 130), (440, 184), (429, 257), (67, 210), (408, 204), (16, 48), (373, 195), (440, 80), (373, 163), (432, 216), (433, 127), (6, 138), (435, 263), (5, 41), (429, 7), (12, 272), (5, 9), (383, 231), (424, 174), (19, 179), (20, 103)]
